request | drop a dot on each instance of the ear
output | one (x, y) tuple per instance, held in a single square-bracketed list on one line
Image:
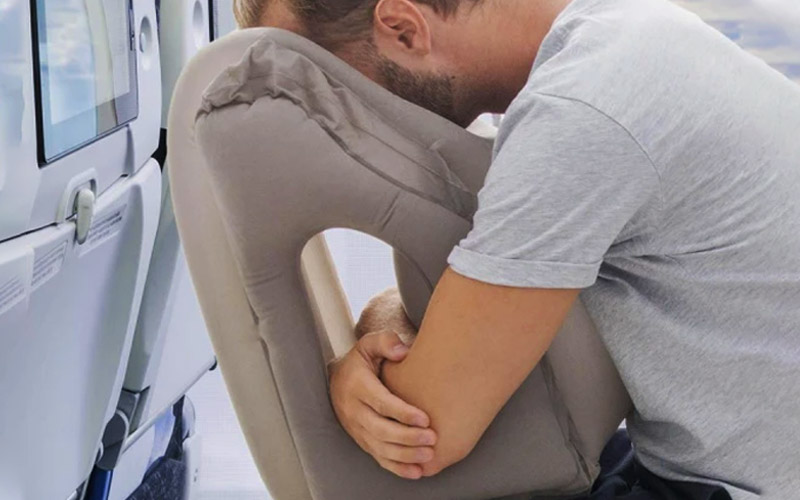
[(400, 26)]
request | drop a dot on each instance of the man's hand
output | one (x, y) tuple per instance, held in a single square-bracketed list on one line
[(395, 433)]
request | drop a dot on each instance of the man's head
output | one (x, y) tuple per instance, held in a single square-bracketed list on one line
[(457, 58)]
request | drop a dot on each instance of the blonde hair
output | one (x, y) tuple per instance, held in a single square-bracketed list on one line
[(248, 13)]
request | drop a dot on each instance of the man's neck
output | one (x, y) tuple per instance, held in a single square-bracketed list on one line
[(279, 15), (518, 35)]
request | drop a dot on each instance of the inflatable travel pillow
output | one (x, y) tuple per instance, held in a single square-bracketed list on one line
[(297, 142)]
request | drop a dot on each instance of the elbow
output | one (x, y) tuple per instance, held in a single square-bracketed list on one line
[(455, 439)]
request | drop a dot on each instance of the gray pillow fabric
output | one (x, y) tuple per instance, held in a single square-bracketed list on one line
[(297, 142)]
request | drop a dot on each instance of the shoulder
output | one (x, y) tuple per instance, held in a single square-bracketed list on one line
[(560, 127), (612, 54)]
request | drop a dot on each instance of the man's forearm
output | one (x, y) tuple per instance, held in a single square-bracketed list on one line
[(476, 346)]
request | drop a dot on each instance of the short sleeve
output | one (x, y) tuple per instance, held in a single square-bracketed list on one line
[(565, 182)]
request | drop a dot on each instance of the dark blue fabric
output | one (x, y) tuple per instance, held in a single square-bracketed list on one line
[(166, 481), (166, 477), (622, 477)]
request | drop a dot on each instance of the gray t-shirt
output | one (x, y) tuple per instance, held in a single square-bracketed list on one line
[(652, 162)]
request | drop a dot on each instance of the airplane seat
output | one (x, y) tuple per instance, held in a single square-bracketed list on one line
[(79, 205), (271, 141), (171, 350), (222, 19)]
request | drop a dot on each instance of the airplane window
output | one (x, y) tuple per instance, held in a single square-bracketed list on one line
[(766, 28)]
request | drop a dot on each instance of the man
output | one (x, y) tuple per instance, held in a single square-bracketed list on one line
[(644, 161)]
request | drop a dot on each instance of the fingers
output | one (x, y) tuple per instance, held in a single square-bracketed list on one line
[(405, 470), (408, 471), (402, 454), (383, 402), (382, 345), (389, 431)]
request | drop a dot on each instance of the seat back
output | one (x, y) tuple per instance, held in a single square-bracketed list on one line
[(169, 351), (71, 280), (295, 142)]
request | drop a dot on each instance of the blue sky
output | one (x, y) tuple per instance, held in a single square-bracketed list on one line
[(768, 28)]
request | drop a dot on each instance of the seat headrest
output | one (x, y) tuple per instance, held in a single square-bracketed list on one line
[(423, 153), (364, 118)]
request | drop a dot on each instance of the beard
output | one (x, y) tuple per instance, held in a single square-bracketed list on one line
[(433, 92)]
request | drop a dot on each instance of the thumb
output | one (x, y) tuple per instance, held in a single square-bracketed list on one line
[(385, 344)]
